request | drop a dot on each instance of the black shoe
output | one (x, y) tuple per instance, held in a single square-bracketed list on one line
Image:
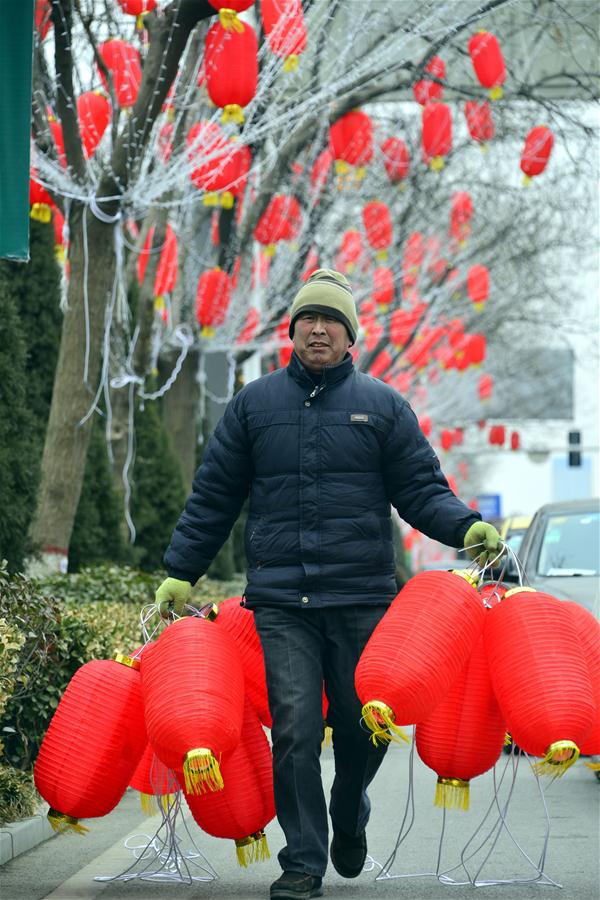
[(296, 886), (348, 853)]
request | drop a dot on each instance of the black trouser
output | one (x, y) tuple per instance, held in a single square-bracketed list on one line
[(303, 649)]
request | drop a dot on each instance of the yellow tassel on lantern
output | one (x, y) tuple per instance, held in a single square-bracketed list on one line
[(452, 793), (381, 720), (59, 252), (507, 740), (61, 823), (478, 306), (496, 92), (560, 756), (484, 147), (41, 212), (327, 736), (270, 250), (232, 112), (159, 303), (341, 167), (383, 307), (211, 198), (226, 200), (139, 22), (201, 771), (291, 63), (595, 767), (207, 331), (360, 173), (151, 803), (253, 848), (229, 20), (437, 163), (381, 255)]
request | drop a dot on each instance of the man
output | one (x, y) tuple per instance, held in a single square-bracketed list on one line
[(323, 450)]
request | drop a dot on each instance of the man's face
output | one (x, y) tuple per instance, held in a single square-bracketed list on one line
[(320, 340)]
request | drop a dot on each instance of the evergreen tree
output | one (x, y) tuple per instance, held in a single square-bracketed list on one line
[(97, 532), (18, 458), (36, 291), (157, 490)]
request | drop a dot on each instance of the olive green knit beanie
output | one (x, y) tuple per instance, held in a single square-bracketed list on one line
[(326, 291)]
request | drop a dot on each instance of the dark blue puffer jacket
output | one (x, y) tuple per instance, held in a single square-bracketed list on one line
[(322, 464)]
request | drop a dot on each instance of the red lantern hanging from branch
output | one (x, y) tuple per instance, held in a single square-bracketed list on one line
[(283, 23), (515, 440), (396, 159), (212, 299), (382, 362), (351, 251), (426, 90), (59, 141), (383, 287), (42, 17), (588, 631), (123, 62), (166, 271), (223, 167), (40, 201), (137, 8), (93, 744), (321, 168), (488, 62), (536, 152), (249, 327), (281, 221), (436, 133), (403, 324), (479, 120), (412, 258), (231, 65), (351, 141), (378, 227), (93, 112), (497, 435), (478, 285), (409, 663), (203, 717), (485, 387), (461, 213), (245, 805), (531, 643), (464, 735)]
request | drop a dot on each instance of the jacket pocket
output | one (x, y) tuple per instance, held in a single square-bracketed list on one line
[(254, 541)]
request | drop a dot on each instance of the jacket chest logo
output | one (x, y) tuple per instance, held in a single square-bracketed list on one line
[(359, 418)]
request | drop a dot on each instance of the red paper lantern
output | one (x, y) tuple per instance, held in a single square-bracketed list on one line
[(203, 716), (426, 90), (478, 285), (425, 425), (351, 251), (93, 112), (281, 221), (536, 152), (137, 7), (154, 781), (418, 650), (446, 439), (40, 201), (239, 623), (224, 163), (488, 62), (351, 140), (231, 65), (383, 287), (497, 435), (588, 631), (464, 735), (166, 271), (436, 133), (412, 259), (59, 141), (237, 6), (477, 348), (403, 324), (515, 441), (540, 677), (42, 17), (245, 805), (123, 62), (396, 159), (485, 387), (461, 213), (378, 226), (382, 362), (321, 168), (212, 299), (479, 120), (93, 743), (250, 326), (283, 23)]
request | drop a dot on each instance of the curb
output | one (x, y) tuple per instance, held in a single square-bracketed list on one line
[(19, 837)]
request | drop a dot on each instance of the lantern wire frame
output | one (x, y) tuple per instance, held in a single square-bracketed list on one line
[(484, 839)]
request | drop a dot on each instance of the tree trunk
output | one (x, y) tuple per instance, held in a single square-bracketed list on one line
[(180, 411), (66, 444)]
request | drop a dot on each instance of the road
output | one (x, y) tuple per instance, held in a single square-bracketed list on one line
[(66, 866)]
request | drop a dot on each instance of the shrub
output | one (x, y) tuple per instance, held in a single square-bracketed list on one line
[(18, 796)]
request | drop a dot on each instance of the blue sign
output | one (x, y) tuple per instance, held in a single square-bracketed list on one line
[(490, 506)]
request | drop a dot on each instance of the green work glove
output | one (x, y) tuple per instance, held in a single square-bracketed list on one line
[(172, 596), (482, 540)]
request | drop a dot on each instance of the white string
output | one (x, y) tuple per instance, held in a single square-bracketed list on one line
[(86, 306)]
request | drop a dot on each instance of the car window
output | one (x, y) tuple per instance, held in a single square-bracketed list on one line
[(514, 540), (570, 545)]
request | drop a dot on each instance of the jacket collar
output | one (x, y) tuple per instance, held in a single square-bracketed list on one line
[(330, 376)]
